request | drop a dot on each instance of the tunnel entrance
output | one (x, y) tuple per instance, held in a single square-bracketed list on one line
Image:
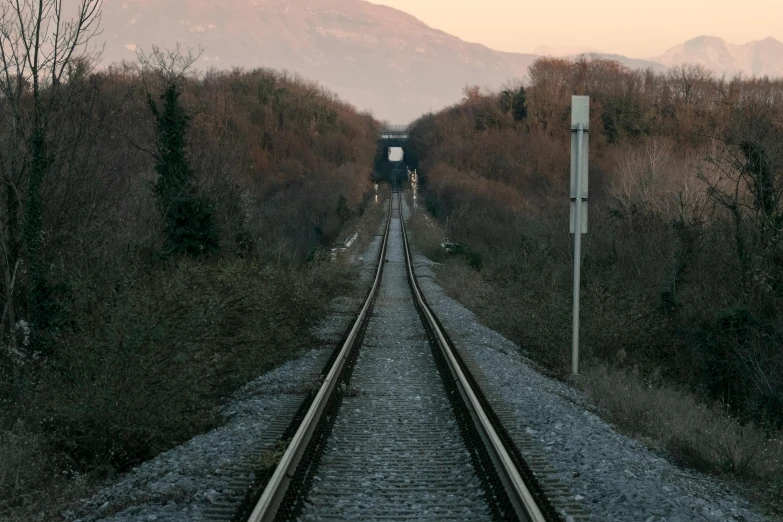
[(396, 154), (390, 156)]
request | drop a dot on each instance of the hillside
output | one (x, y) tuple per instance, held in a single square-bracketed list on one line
[(669, 312), (375, 57), (169, 292)]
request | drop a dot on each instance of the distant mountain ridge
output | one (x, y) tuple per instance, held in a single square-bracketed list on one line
[(757, 58), (631, 63), (375, 57)]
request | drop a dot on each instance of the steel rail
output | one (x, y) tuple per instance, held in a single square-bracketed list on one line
[(269, 503), (525, 505)]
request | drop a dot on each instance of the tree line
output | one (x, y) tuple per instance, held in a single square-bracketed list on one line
[(161, 239), (683, 266)]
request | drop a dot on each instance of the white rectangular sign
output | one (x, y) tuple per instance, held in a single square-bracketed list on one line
[(580, 113)]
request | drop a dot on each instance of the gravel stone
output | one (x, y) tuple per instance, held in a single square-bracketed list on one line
[(616, 477)]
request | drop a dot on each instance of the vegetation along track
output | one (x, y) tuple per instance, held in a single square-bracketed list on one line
[(399, 429)]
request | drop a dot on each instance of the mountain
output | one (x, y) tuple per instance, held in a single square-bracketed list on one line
[(631, 63), (374, 57), (560, 51), (757, 58)]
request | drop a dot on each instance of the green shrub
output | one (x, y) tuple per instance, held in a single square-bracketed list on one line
[(740, 364), (191, 227), (471, 257), (151, 373)]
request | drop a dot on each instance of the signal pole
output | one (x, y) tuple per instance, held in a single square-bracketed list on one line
[(580, 127)]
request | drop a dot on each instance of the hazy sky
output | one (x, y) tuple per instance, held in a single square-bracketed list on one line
[(631, 27)]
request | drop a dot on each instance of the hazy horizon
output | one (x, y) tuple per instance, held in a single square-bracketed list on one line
[(614, 26), (345, 45)]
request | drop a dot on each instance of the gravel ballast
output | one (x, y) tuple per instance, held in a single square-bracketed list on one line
[(396, 450), (613, 476)]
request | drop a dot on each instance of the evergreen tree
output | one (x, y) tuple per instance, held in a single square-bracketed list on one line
[(43, 308), (515, 103), (519, 105), (343, 210), (189, 216), (506, 101)]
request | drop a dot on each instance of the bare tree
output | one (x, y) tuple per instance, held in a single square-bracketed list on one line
[(748, 181), (653, 176), (643, 173), (41, 49)]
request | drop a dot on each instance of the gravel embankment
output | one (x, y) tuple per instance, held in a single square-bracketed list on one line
[(615, 477), (182, 484)]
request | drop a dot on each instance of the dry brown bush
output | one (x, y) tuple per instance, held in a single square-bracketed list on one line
[(695, 434), (427, 235), (151, 374)]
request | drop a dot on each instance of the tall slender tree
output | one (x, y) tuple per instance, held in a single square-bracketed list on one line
[(188, 214), (39, 44)]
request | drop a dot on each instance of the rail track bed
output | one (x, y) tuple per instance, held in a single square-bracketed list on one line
[(396, 450), (398, 429)]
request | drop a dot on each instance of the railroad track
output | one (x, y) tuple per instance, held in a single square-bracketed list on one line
[(399, 428)]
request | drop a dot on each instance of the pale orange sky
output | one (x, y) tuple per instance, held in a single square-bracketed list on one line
[(629, 27)]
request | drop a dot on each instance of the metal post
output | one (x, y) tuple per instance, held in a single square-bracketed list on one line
[(577, 251), (580, 133)]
